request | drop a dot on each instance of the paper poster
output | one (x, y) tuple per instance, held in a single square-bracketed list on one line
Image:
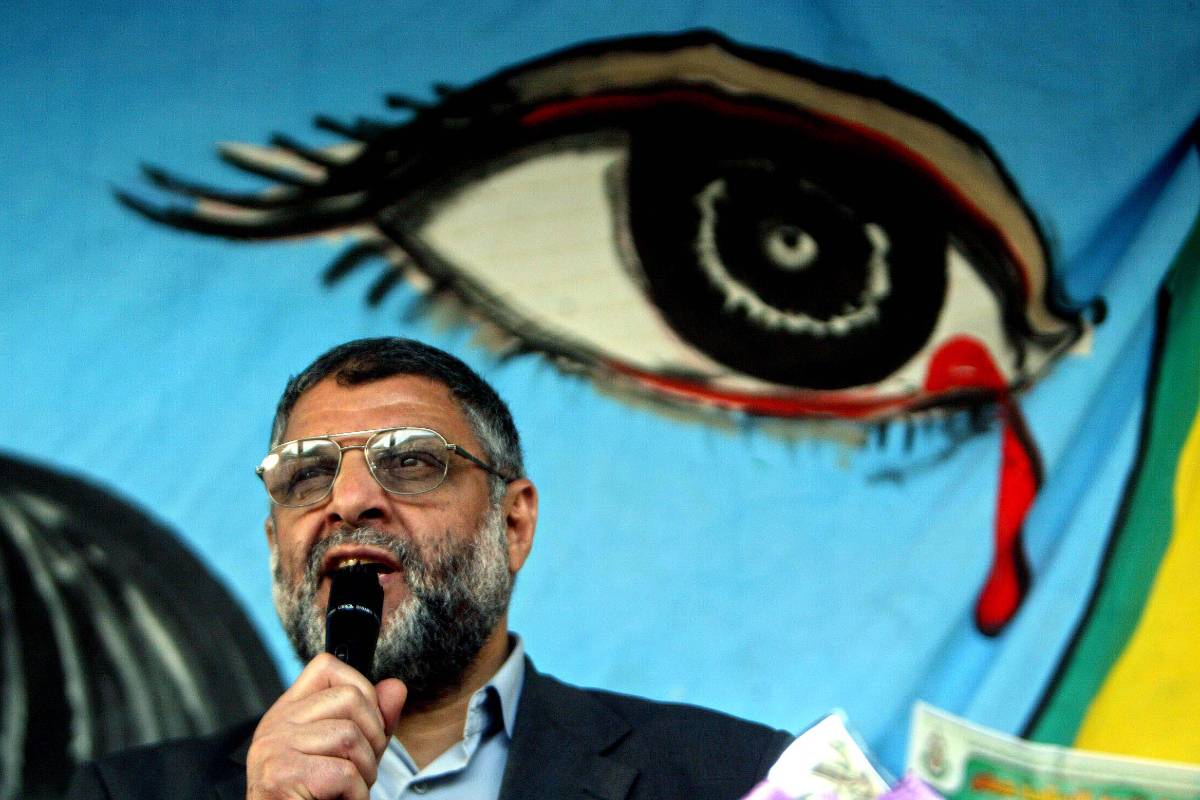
[(964, 761)]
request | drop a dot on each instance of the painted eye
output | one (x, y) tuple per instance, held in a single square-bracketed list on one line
[(693, 219), (753, 260)]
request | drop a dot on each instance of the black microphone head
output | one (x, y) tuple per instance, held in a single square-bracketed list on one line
[(352, 619)]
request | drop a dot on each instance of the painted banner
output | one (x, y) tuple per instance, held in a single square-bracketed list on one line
[(850, 343)]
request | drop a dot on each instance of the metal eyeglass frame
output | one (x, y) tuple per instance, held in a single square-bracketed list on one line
[(371, 434)]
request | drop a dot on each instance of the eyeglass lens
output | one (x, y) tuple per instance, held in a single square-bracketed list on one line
[(404, 461)]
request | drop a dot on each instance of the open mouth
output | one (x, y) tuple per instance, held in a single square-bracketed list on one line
[(381, 562)]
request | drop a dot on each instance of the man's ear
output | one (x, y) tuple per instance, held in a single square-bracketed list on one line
[(520, 519), (269, 529)]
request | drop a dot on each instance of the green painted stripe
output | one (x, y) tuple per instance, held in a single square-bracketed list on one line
[(1143, 529)]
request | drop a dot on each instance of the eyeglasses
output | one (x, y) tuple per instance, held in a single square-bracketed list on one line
[(402, 460)]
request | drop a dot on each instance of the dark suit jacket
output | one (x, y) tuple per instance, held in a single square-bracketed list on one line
[(567, 743)]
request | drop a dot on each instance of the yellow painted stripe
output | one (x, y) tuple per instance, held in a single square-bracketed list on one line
[(1150, 702)]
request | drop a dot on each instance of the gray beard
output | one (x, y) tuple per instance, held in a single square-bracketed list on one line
[(457, 595)]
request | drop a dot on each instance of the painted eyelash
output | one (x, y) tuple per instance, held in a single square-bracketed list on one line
[(943, 428)]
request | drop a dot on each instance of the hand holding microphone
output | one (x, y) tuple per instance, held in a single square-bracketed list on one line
[(325, 735)]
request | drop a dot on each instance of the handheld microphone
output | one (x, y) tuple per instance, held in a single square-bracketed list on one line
[(352, 620)]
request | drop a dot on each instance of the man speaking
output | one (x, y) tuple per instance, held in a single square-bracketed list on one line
[(395, 456)]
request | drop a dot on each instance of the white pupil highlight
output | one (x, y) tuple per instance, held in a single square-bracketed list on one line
[(790, 248)]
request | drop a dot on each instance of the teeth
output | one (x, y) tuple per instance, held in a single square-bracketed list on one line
[(354, 562)]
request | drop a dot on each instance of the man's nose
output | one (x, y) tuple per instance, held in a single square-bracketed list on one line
[(356, 496)]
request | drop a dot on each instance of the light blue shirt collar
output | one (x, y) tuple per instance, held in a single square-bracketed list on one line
[(507, 682), (474, 765)]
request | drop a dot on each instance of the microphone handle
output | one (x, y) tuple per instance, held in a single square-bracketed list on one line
[(352, 620)]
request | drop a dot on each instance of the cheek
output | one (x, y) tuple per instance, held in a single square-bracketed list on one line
[(289, 560), (296, 530), (435, 526)]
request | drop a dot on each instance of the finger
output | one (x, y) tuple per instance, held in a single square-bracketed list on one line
[(337, 738), (325, 671), (391, 694), (339, 703), (317, 777)]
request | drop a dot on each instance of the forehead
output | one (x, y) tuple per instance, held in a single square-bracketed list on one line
[(390, 402)]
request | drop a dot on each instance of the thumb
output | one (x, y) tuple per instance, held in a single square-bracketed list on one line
[(391, 693)]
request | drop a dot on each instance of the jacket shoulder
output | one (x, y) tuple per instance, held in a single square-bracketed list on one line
[(693, 725), (675, 743), (641, 712), (181, 769)]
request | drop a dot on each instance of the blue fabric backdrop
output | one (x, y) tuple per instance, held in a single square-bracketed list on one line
[(772, 576)]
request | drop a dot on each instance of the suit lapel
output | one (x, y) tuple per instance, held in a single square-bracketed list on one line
[(558, 743)]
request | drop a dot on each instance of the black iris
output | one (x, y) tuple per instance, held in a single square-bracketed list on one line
[(794, 254), (789, 242)]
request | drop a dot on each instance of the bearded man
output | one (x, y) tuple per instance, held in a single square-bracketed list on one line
[(393, 453)]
